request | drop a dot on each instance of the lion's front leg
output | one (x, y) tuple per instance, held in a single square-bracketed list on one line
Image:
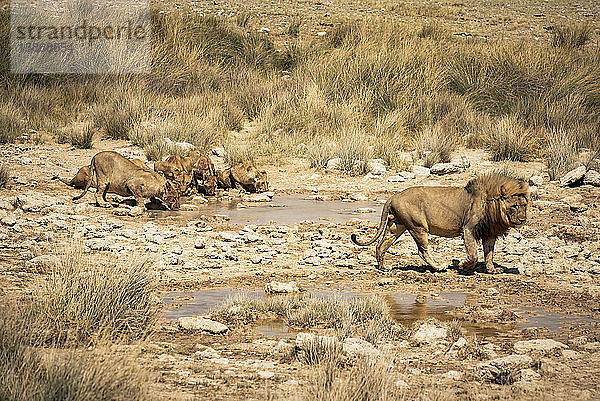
[(488, 251), (471, 246)]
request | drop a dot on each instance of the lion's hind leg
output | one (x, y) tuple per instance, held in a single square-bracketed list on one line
[(386, 241), (420, 237)]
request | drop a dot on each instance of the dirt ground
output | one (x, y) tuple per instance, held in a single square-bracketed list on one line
[(551, 268)]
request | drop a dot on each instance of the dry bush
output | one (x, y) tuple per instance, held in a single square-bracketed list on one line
[(319, 152), (28, 373), (237, 152), (83, 301), (353, 151), (455, 330), (367, 380), (4, 175), (320, 349), (293, 28), (509, 140), (573, 36), (241, 19), (79, 136), (434, 146), (432, 31), (562, 150), (10, 123), (114, 119)]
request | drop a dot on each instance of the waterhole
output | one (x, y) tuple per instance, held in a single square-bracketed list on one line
[(281, 209), (405, 308)]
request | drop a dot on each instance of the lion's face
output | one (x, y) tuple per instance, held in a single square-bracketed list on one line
[(262, 184), (516, 210), (171, 196)]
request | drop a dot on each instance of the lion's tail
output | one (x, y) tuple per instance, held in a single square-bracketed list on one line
[(56, 177), (89, 181), (380, 229)]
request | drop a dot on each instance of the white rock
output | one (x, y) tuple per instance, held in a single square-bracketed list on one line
[(333, 164), (262, 197), (219, 152), (445, 168), (265, 374), (228, 237), (376, 168), (185, 147), (396, 178), (359, 197), (407, 175), (497, 370), (572, 176), (359, 347), (45, 262), (34, 202), (539, 345), (536, 180), (592, 177), (453, 375), (529, 375), (275, 287), (207, 353), (9, 220), (401, 384), (429, 333), (421, 171), (201, 324), (365, 210)]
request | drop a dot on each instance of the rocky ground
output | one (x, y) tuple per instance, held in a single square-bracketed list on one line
[(551, 264)]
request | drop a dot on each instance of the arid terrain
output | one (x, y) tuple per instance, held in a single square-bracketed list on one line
[(263, 296), (549, 290)]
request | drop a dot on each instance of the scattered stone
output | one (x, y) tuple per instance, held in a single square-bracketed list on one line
[(262, 197), (228, 237), (219, 152), (536, 180), (386, 281), (265, 374), (429, 333), (592, 177), (452, 375), (376, 167), (359, 347), (420, 171), (573, 177), (45, 262), (275, 287), (34, 202), (407, 175), (401, 384), (333, 164), (201, 324), (445, 168), (136, 211), (529, 375), (365, 210), (396, 178), (9, 220), (492, 291), (256, 259), (544, 346), (207, 353), (504, 370), (359, 197)]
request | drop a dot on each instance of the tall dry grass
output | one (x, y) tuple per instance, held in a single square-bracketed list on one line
[(4, 175), (388, 82)]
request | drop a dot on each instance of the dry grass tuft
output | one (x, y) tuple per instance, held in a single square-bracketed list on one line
[(434, 146), (572, 36), (509, 140), (82, 138), (4, 175), (28, 373), (562, 152), (367, 380), (320, 349), (10, 123), (83, 301)]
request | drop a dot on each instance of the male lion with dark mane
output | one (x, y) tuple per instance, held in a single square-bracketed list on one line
[(481, 211)]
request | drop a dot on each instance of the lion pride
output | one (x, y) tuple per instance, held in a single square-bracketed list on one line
[(486, 208)]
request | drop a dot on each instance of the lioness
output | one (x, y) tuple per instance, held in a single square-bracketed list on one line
[(111, 172), (177, 169), (246, 176), (204, 176), (224, 178), (78, 182), (483, 210)]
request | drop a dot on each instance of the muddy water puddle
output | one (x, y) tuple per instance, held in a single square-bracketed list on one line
[(281, 209), (405, 308)]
